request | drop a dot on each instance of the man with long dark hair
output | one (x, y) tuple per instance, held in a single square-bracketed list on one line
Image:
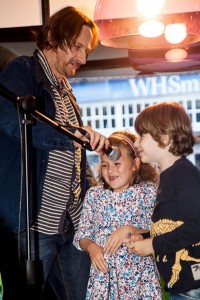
[(58, 177)]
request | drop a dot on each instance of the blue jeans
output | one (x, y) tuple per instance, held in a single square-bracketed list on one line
[(64, 266), (193, 294)]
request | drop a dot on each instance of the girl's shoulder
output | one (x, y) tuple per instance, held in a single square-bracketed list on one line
[(146, 189), (95, 189), (146, 185)]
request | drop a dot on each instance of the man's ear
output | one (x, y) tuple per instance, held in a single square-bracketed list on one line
[(49, 38)]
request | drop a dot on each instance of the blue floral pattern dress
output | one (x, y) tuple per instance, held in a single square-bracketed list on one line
[(129, 276)]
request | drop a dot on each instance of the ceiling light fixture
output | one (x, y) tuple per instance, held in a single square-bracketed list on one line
[(121, 23), (176, 55), (175, 33), (165, 60), (150, 8), (151, 29)]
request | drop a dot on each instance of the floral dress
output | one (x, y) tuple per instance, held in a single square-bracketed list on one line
[(130, 276)]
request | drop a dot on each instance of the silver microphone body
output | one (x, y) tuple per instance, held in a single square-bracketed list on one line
[(113, 153)]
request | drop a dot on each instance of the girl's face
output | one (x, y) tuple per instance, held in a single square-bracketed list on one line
[(118, 174)]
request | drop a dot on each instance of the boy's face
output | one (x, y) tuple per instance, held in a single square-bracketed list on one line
[(148, 149)]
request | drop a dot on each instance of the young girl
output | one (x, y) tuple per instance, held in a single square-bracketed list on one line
[(166, 138), (121, 205)]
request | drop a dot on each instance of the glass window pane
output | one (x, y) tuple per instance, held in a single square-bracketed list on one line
[(138, 108), (113, 123), (105, 123), (104, 111), (130, 109), (189, 104), (88, 111), (197, 104), (198, 117), (97, 124)]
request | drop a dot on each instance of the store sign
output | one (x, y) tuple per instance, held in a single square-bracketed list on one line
[(164, 85)]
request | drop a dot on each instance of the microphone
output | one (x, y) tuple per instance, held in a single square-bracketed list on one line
[(113, 153)]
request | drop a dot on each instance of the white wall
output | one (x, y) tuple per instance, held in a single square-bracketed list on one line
[(19, 13)]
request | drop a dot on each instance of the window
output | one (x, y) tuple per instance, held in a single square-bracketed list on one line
[(198, 117), (130, 121), (89, 123), (88, 111), (96, 111), (112, 110), (113, 123), (138, 108), (189, 104), (105, 123), (97, 124), (130, 109), (197, 104), (104, 111)]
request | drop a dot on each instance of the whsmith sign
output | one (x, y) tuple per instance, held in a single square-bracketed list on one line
[(138, 87), (165, 85)]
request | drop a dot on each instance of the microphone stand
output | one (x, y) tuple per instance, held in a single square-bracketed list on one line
[(64, 130), (27, 105), (34, 268)]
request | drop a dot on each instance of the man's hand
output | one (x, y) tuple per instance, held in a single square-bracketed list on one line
[(97, 141)]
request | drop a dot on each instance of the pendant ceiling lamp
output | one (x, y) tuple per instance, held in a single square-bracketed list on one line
[(148, 24), (165, 60)]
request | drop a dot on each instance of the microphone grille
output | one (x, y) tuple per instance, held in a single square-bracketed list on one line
[(114, 154)]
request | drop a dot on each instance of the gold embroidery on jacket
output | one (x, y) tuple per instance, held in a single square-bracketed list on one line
[(164, 226)]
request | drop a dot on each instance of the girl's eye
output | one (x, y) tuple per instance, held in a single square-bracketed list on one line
[(103, 166)]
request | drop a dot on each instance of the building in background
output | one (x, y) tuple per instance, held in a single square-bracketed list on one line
[(113, 104)]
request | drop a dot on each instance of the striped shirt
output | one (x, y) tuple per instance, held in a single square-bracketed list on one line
[(62, 189)]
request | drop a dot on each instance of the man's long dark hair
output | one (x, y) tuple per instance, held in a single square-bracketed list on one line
[(64, 27)]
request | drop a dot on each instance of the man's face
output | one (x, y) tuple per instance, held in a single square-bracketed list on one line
[(64, 63)]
